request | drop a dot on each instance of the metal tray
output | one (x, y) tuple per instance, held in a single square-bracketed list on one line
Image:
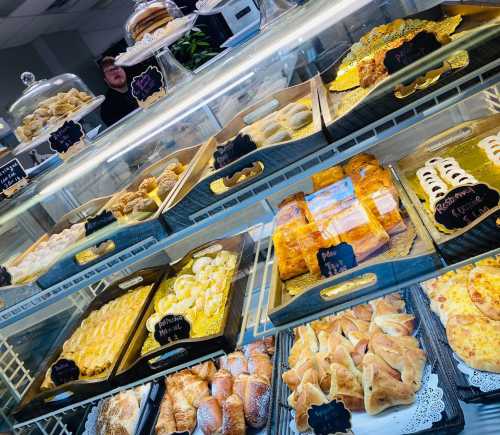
[(381, 101), (195, 194), (479, 236), (134, 367), (452, 421), (148, 428), (370, 275), (439, 341), (117, 237), (36, 402)]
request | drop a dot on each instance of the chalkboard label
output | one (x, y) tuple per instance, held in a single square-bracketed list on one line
[(63, 371), (5, 277), (232, 150), (411, 51), (10, 174), (69, 134), (336, 259), (98, 222), (330, 418), (171, 328), (147, 84), (464, 204)]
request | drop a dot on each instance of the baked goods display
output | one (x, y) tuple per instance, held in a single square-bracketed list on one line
[(41, 256), (355, 204), (51, 111), (120, 414), (150, 19), (150, 194), (199, 292), (226, 398), (95, 345), (293, 121), (467, 301), (365, 357)]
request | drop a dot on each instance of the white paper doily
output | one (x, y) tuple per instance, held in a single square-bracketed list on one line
[(90, 424), (421, 415), (485, 381)]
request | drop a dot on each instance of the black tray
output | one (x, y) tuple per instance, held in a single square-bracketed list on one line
[(378, 105), (36, 402), (439, 341), (134, 367), (151, 418), (452, 417)]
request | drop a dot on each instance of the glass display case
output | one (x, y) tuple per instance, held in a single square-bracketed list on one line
[(322, 146)]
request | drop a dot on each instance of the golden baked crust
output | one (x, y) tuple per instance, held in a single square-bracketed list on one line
[(475, 339), (484, 290)]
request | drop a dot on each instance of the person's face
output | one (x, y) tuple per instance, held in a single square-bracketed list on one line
[(115, 76)]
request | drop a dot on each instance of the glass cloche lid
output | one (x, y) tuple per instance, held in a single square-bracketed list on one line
[(46, 101), (148, 17)]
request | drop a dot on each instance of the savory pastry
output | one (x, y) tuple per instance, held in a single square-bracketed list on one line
[(120, 414), (327, 177), (205, 371), (144, 205), (260, 364), (484, 290), (210, 416), (165, 424), (194, 388), (184, 412), (475, 339), (148, 184), (235, 363), (96, 343)]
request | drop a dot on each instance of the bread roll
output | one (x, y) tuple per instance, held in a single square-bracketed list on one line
[(233, 417), (210, 416)]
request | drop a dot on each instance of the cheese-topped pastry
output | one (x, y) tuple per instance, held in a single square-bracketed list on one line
[(484, 290)]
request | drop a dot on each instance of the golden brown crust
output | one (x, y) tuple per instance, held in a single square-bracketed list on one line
[(166, 420), (233, 417), (484, 290), (209, 416), (222, 385)]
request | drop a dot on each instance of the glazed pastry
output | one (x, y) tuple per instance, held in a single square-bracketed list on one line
[(209, 416), (484, 290), (165, 424), (205, 371), (327, 177), (194, 388), (222, 385), (233, 417)]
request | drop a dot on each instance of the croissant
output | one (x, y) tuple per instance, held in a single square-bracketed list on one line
[(233, 417), (194, 389), (205, 371), (166, 421), (362, 312), (310, 376), (184, 412), (293, 377), (260, 364), (381, 390), (409, 361), (222, 385), (210, 416), (235, 363), (257, 401)]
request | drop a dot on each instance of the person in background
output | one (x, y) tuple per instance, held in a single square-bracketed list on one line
[(119, 100)]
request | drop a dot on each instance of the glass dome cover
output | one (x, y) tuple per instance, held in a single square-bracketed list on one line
[(149, 16), (46, 101)]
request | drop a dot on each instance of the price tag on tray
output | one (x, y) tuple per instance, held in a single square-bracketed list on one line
[(12, 177), (336, 259), (148, 87), (464, 204), (171, 328), (67, 136), (64, 371)]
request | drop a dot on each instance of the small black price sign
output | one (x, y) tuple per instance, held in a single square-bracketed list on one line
[(330, 418), (171, 328), (5, 277), (147, 84), (336, 259), (464, 204), (63, 371), (10, 174), (99, 221), (411, 51), (69, 134), (233, 150)]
